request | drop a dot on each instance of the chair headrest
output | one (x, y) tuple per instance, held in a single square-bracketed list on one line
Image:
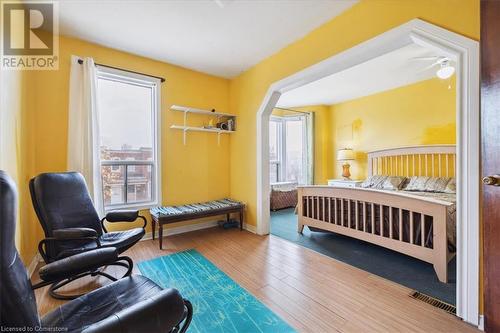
[(62, 200)]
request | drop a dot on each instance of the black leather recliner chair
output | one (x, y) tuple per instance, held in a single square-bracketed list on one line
[(71, 224), (132, 304)]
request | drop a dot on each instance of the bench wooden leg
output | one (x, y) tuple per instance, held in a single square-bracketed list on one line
[(160, 235), (153, 228), (241, 219)]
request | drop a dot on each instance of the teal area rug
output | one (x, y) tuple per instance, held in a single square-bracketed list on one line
[(219, 303)]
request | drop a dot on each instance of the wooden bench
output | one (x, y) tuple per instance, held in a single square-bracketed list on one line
[(171, 214)]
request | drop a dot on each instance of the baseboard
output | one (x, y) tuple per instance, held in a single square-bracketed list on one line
[(34, 262), (182, 229), (251, 228), (192, 227)]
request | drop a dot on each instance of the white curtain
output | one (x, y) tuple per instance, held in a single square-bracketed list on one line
[(83, 128)]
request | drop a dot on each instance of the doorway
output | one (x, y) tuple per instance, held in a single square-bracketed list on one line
[(465, 53)]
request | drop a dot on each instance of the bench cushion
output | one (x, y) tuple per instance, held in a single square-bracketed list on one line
[(170, 211)]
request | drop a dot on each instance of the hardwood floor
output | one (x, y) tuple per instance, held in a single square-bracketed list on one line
[(310, 291)]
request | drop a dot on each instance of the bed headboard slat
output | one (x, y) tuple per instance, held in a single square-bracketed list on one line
[(429, 160)]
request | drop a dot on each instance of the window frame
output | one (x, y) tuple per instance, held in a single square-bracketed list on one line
[(281, 133), (117, 75)]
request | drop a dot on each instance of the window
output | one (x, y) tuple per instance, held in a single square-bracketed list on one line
[(128, 105), (288, 148)]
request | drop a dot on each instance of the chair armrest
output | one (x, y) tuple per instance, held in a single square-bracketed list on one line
[(159, 313), (66, 235), (123, 216), (78, 263), (72, 233)]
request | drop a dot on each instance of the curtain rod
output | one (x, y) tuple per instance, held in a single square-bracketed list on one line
[(80, 61), (285, 109)]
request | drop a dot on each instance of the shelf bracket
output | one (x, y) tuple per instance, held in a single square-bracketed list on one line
[(184, 134), (218, 138)]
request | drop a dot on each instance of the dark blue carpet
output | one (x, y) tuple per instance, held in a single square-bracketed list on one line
[(410, 272)]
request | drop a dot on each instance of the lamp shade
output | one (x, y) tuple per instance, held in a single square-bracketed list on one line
[(345, 154)]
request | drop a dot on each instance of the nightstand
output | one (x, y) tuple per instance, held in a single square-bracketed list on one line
[(344, 183)]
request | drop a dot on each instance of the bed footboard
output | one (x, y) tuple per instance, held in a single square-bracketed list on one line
[(403, 223)]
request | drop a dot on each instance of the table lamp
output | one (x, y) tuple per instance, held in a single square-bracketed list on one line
[(345, 155)]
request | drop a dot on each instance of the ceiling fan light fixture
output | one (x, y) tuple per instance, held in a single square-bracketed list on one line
[(446, 71)]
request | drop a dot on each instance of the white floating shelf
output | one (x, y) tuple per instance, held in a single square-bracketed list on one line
[(185, 128), (201, 129), (199, 111)]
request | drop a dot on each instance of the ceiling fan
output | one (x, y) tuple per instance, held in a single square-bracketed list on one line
[(445, 70)]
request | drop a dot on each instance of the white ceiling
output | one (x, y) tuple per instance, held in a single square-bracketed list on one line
[(219, 37), (389, 71)]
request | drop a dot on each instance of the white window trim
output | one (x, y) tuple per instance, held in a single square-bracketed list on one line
[(148, 81), (281, 133)]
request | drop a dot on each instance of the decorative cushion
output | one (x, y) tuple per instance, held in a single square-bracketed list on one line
[(436, 184), (428, 184), (394, 183), (417, 183), (451, 187), (375, 181)]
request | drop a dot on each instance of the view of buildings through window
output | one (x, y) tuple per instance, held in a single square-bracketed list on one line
[(126, 112)]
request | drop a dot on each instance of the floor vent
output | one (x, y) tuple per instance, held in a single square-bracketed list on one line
[(434, 302)]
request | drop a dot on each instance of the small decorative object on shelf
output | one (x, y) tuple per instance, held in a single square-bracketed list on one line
[(224, 124), (210, 124)]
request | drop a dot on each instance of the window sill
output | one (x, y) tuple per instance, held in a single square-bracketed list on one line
[(138, 206)]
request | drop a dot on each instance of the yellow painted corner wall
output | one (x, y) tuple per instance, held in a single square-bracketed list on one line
[(417, 114), (361, 22), (322, 140), (197, 171), (15, 157)]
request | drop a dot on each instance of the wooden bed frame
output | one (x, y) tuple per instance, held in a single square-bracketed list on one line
[(352, 211)]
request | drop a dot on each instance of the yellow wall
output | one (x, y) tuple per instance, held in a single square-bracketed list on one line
[(15, 155), (194, 172), (363, 21), (421, 113)]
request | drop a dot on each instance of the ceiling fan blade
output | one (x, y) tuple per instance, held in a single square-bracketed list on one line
[(430, 66), (425, 58)]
